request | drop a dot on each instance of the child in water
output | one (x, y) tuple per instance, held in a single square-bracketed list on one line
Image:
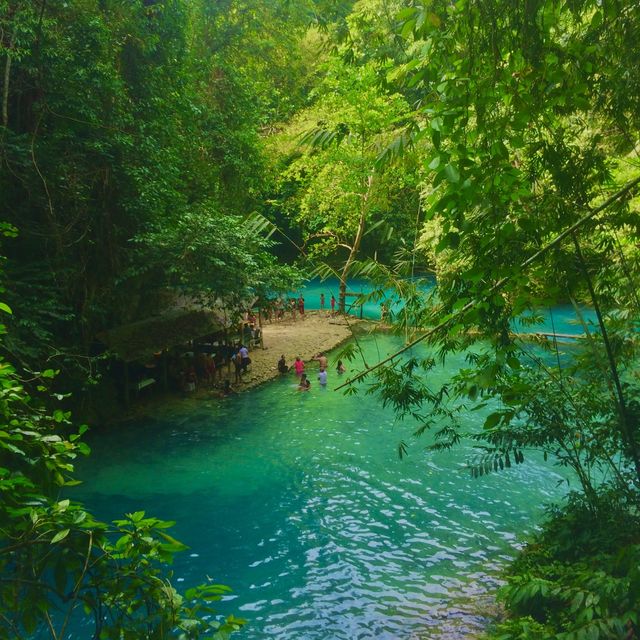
[(340, 368), (305, 384)]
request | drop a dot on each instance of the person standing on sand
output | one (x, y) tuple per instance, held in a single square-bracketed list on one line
[(245, 360), (301, 307), (322, 302), (333, 304), (293, 304), (226, 390), (237, 363), (298, 365)]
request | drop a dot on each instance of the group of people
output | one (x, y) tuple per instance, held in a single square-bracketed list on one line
[(188, 371), (205, 369), (332, 302), (296, 305), (251, 333), (276, 309), (241, 361), (299, 366)]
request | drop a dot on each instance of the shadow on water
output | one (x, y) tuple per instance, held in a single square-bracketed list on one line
[(300, 503)]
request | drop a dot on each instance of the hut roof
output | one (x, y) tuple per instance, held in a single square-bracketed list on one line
[(140, 340)]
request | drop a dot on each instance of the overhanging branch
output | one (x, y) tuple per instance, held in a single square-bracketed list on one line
[(500, 283)]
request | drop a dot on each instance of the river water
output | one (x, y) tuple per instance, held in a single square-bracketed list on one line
[(300, 503), (560, 318)]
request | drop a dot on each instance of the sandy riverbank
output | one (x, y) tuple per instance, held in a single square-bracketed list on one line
[(304, 338)]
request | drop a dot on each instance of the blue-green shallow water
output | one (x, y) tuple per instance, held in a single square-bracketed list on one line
[(561, 318), (300, 503)]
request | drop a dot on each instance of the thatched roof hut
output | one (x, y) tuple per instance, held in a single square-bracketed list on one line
[(140, 340)]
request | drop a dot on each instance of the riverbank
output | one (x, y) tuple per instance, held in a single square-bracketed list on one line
[(319, 331), (308, 488), (305, 338)]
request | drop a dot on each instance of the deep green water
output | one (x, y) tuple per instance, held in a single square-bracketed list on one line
[(301, 504)]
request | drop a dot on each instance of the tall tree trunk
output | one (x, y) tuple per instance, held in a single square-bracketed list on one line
[(355, 247), (5, 85)]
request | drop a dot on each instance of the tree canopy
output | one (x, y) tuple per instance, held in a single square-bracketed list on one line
[(159, 148)]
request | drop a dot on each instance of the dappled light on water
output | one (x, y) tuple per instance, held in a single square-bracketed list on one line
[(300, 503)]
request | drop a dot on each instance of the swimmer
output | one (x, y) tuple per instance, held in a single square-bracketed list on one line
[(340, 368), (305, 383)]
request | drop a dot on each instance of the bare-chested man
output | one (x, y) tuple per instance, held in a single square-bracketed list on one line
[(322, 361)]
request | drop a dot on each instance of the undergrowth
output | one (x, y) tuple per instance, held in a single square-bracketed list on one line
[(579, 578)]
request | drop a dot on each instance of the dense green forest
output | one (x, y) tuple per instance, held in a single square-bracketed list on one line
[(152, 149)]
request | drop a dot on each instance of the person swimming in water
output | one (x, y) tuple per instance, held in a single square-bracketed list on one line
[(305, 383), (340, 368)]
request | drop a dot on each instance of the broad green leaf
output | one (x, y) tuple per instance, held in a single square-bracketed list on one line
[(61, 535), (452, 174)]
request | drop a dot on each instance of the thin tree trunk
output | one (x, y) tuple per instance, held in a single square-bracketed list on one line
[(5, 85), (355, 247), (625, 430)]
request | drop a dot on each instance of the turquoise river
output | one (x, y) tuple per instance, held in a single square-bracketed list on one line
[(300, 503)]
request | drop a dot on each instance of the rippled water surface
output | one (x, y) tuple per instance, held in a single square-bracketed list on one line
[(300, 503)]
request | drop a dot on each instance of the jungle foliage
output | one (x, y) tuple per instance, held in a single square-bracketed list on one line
[(151, 146), (131, 171), (524, 128), (61, 568), (131, 159)]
